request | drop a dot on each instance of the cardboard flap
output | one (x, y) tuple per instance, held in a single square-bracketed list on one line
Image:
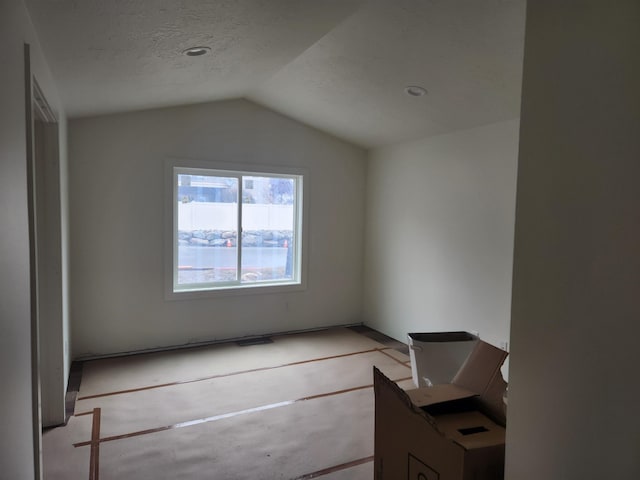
[(471, 430), (382, 383), (480, 369), (423, 397), (481, 373)]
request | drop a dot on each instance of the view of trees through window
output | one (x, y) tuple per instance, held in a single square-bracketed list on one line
[(235, 228)]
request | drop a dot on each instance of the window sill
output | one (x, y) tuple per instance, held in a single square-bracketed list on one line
[(235, 290)]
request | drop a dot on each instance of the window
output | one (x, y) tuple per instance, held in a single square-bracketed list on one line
[(235, 229)]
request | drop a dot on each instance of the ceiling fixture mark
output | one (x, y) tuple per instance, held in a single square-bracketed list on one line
[(196, 51), (415, 91)]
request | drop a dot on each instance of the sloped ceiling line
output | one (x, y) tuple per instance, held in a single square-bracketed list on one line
[(338, 65)]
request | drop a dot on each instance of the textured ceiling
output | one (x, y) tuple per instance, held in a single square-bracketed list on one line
[(338, 65)]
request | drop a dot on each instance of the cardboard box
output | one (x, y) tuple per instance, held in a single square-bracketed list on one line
[(449, 431), (437, 357)]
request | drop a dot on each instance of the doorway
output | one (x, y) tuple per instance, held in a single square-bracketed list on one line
[(46, 261)]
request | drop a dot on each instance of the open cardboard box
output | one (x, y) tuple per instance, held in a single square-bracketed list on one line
[(451, 431)]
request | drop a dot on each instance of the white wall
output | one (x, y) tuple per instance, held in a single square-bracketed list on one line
[(573, 396), (439, 238), (117, 221), (16, 436)]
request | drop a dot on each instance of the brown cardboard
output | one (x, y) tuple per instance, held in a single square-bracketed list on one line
[(423, 397), (481, 374), (479, 371), (444, 432), (463, 428)]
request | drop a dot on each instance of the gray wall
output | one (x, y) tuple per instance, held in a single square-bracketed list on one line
[(439, 241), (117, 211), (16, 439), (573, 396)]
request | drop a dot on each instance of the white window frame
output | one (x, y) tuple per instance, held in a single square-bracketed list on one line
[(173, 167)]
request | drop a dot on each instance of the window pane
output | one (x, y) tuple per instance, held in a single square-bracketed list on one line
[(207, 222), (268, 226)]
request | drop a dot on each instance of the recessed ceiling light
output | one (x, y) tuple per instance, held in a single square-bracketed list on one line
[(415, 91), (196, 51)]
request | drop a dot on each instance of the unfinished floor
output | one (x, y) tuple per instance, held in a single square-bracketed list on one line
[(300, 407)]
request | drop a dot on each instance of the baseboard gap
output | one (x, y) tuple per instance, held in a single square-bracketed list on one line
[(206, 343), (380, 337)]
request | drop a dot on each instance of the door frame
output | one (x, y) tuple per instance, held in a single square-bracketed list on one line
[(45, 261)]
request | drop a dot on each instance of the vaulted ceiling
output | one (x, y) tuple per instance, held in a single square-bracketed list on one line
[(338, 65)]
